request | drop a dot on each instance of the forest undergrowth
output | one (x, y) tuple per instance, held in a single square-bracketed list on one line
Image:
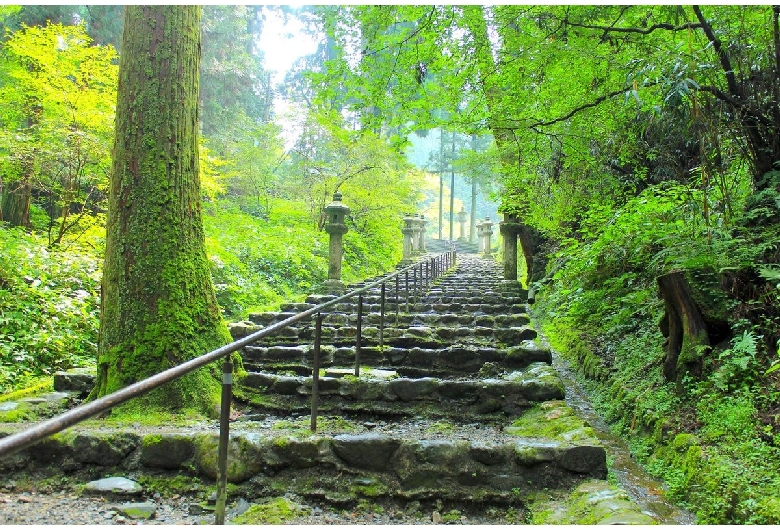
[(712, 436), (50, 296)]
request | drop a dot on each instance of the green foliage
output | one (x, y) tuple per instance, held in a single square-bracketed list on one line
[(49, 308), (257, 264), (57, 100), (738, 365)]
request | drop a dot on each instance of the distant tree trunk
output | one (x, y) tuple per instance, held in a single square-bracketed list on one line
[(158, 304), (16, 203), (473, 218), (684, 326), (17, 194)]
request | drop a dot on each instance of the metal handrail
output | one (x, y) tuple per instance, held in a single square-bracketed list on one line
[(20, 440)]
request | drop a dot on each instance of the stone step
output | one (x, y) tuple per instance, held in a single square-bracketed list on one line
[(429, 397), (420, 459), (497, 323), (272, 317), (451, 359), (411, 335)]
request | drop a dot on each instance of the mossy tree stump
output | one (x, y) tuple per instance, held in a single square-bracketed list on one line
[(690, 332)]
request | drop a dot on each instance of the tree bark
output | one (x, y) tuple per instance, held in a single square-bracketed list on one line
[(684, 326), (15, 207), (158, 304)]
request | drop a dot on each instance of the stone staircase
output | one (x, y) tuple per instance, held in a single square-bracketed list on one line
[(459, 401), (437, 246), (456, 402)]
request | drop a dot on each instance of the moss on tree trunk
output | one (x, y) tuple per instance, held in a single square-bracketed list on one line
[(158, 304)]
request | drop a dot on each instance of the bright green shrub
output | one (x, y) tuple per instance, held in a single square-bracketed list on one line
[(49, 308)]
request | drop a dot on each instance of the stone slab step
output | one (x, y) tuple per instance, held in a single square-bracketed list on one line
[(268, 318), (413, 461), (431, 397), (453, 319), (411, 337), (452, 359)]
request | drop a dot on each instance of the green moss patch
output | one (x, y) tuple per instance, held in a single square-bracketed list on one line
[(552, 419), (276, 511)]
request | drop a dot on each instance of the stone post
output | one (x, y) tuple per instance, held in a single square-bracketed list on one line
[(462, 215), (510, 228), (486, 230), (408, 231), (335, 225), (423, 224)]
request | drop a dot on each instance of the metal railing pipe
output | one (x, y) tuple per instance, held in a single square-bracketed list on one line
[(17, 441)]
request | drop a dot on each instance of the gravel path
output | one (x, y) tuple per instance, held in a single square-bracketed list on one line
[(64, 507)]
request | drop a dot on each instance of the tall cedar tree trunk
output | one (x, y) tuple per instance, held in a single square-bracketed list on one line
[(158, 304)]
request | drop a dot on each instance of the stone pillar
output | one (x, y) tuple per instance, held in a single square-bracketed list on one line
[(510, 228), (462, 215), (487, 231), (423, 224), (408, 231), (335, 225), (416, 229)]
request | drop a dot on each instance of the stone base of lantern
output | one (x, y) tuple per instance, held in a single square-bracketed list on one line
[(334, 286)]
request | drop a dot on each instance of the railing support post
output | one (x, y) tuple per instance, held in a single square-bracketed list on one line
[(397, 301), (358, 335), (406, 275), (315, 375), (382, 318), (224, 439)]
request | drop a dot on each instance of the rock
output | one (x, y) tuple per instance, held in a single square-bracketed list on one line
[(240, 507), (413, 389), (118, 485), (245, 456), (368, 451), (436, 517), (300, 454), (166, 451), (8, 405), (242, 329), (138, 510), (104, 449), (628, 518), (80, 380), (587, 459)]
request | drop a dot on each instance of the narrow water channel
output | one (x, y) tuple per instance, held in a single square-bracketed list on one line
[(643, 489)]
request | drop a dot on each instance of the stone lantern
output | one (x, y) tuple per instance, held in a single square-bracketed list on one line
[(336, 226), (510, 228), (408, 231), (462, 216), (487, 232)]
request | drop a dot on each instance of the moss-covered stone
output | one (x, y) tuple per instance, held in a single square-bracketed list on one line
[(245, 457), (275, 511), (166, 451), (592, 502), (552, 419)]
